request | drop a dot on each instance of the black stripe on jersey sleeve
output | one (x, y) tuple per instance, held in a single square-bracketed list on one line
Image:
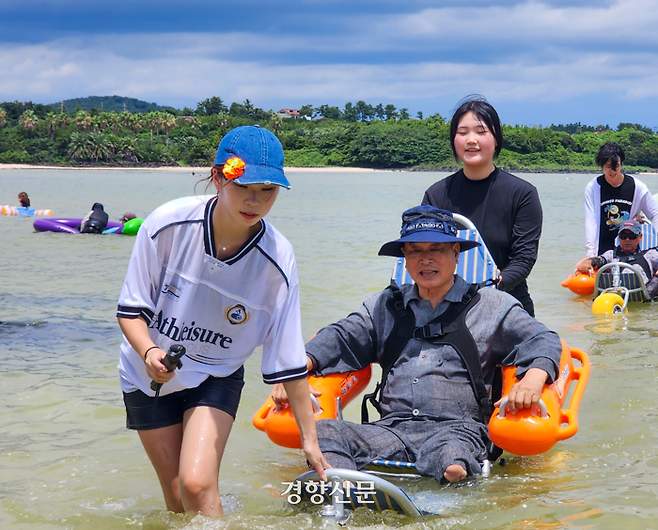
[(275, 264), (124, 311), (285, 376)]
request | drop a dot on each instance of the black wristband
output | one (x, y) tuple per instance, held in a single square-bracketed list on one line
[(147, 351)]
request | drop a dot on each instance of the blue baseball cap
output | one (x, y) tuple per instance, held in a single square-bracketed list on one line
[(260, 151), (426, 224)]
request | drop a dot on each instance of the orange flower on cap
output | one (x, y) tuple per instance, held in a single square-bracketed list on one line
[(233, 168)]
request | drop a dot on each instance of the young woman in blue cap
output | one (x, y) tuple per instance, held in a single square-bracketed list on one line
[(210, 274)]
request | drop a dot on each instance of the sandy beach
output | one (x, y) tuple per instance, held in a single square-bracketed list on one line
[(182, 168), (202, 170)]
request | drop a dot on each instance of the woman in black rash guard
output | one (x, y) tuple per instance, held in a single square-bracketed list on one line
[(504, 208)]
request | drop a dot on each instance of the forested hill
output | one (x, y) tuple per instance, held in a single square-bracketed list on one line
[(109, 104), (360, 135)]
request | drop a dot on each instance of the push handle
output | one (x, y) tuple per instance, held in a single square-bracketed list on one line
[(569, 417), (502, 410)]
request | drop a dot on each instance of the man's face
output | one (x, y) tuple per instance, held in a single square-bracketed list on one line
[(431, 265), (629, 241)]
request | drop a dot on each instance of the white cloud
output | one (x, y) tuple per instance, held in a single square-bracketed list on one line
[(529, 52)]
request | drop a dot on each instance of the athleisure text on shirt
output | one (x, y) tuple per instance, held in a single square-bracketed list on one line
[(182, 332)]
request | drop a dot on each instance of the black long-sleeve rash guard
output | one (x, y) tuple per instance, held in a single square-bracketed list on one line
[(507, 212)]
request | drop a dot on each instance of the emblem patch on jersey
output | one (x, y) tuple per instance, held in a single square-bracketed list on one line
[(237, 314), (172, 291)]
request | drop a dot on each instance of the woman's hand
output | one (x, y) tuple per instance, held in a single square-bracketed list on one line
[(280, 396), (154, 367), (526, 392), (300, 402)]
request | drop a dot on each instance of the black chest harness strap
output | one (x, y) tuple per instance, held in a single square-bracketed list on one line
[(450, 329), (637, 258)]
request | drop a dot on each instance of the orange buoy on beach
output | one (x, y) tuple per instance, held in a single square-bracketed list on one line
[(526, 434), (337, 391), (580, 283)]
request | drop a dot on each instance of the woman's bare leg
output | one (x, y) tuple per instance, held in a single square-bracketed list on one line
[(205, 432), (163, 448)]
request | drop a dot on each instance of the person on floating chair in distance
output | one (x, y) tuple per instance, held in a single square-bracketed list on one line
[(628, 251), (428, 337), (95, 221)]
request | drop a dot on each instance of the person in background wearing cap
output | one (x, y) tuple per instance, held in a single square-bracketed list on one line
[(429, 412), (628, 251), (127, 217), (210, 274), (612, 198)]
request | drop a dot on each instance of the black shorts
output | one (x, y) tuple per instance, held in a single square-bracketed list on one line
[(144, 412)]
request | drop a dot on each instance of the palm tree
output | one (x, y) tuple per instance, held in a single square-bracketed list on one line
[(63, 120), (223, 121), (82, 120), (29, 120), (168, 123), (52, 119), (125, 118), (79, 147), (152, 121), (277, 121), (99, 147), (126, 148)]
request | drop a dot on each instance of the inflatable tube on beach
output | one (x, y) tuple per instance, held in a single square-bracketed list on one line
[(580, 283), (23, 211), (526, 434), (68, 225), (280, 425), (608, 304)]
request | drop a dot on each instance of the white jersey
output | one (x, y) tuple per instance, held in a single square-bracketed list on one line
[(219, 310)]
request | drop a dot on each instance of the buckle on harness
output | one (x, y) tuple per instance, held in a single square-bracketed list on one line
[(428, 332)]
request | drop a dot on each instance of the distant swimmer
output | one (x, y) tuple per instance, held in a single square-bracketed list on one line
[(24, 210), (127, 217), (24, 199), (95, 221)]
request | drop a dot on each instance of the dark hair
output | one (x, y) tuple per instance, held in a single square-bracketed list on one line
[(23, 199), (208, 179), (479, 106), (610, 151)]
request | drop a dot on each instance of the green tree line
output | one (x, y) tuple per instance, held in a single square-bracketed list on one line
[(359, 135)]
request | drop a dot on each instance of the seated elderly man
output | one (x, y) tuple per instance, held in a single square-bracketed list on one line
[(432, 412), (628, 251)]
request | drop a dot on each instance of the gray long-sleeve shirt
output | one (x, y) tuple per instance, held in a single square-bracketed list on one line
[(430, 381)]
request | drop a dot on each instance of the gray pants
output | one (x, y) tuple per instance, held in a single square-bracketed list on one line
[(433, 446)]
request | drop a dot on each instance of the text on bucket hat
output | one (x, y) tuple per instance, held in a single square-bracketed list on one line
[(252, 155), (426, 224), (632, 225)]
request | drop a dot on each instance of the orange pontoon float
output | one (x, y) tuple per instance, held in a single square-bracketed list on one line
[(337, 391), (580, 283), (524, 433)]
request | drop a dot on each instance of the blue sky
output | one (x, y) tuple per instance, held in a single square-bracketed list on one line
[(538, 63)]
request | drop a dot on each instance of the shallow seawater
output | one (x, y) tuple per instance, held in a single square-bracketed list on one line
[(67, 461)]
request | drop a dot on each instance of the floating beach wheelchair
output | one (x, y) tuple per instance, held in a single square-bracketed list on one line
[(615, 285), (522, 433)]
